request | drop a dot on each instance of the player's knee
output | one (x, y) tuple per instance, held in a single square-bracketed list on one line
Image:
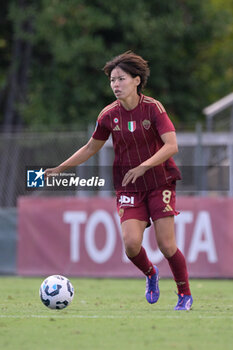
[(131, 252), (132, 247), (168, 249)]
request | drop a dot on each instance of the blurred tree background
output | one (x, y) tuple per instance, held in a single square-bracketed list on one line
[(52, 53)]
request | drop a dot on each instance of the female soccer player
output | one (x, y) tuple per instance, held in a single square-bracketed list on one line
[(145, 175)]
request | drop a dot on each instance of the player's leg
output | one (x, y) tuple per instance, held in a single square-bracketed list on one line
[(165, 235), (134, 217), (132, 232), (161, 203)]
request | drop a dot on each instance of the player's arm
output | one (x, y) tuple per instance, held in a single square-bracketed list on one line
[(79, 157), (169, 148)]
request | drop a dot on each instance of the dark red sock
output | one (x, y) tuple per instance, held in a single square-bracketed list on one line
[(143, 263), (179, 269)]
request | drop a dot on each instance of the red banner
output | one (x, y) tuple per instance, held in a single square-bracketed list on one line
[(82, 237)]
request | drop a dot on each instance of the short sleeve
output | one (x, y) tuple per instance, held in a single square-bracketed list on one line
[(101, 131), (164, 123)]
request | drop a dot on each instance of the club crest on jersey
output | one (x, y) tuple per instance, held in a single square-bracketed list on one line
[(132, 126), (121, 212), (146, 124)]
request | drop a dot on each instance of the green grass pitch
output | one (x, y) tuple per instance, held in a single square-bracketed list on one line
[(113, 314)]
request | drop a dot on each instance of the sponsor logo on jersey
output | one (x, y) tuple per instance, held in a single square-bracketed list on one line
[(132, 126), (167, 208), (146, 124), (126, 201), (117, 128)]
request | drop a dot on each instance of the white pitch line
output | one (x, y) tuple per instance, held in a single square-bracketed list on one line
[(111, 317)]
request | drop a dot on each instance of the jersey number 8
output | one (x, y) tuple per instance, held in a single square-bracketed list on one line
[(166, 196)]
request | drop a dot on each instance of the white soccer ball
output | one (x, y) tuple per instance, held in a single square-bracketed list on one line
[(56, 292)]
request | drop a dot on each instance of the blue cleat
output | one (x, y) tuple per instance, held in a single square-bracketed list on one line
[(184, 302), (152, 287)]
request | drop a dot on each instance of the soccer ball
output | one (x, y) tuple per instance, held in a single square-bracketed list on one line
[(56, 292)]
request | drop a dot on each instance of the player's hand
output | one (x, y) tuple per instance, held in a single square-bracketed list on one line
[(133, 174), (52, 172)]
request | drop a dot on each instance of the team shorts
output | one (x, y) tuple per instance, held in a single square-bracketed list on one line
[(154, 204)]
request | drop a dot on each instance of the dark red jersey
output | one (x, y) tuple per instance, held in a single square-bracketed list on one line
[(136, 136)]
